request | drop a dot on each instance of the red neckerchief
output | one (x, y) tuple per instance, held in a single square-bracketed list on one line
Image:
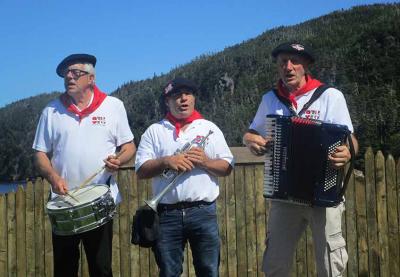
[(178, 123), (291, 96), (98, 98)]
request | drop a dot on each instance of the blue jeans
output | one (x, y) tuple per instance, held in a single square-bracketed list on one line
[(199, 226)]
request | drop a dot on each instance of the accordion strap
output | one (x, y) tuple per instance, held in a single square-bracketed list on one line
[(317, 93), (350, 168)]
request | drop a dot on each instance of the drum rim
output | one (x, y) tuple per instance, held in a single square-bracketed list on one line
[(83, 204)]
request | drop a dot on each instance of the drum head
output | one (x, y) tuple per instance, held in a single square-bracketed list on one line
[(77, 197)]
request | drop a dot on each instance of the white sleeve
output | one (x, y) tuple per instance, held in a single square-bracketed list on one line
[(219, 147), (42, 141), (123, 131), (258, 123), (145, 150), (338, 111)]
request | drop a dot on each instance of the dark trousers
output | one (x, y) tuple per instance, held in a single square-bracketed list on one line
[(98, 249)]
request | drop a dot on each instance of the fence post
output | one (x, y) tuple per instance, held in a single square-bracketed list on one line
[(372, 223), (362, 235), (3, 235), (382, 214), (393, 223)]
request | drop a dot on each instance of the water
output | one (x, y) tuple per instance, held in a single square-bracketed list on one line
[(10, 187)]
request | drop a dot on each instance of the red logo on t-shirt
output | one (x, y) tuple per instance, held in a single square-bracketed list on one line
[(312, 114), (99, 120)]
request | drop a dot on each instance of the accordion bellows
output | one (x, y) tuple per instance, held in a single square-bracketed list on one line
[(297, 168)]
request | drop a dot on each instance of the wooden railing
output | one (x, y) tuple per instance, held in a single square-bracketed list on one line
[(370, 225)]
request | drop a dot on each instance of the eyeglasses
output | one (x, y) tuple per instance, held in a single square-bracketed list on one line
[(76, 73)]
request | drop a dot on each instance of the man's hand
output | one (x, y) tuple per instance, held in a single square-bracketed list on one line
[(179, 162), (58, 185), (256, 143), (197, 156), (340, 157), (112, 163)]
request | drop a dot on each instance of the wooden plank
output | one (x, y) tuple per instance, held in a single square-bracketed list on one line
[(398, 197), (133, 206), (116, 250), (144, 254), (84, 267), (361, 211), (299, 267), (382, 214), (372, 223), (240, 221), (124, 226), (221, 213), (11, 234), (244, 156), (185, 267), (153, 268), (190, 267), (311, 266), (30, 229), (351, 228), (48, 244), (260, 205), (231, 225), (20, 231), (250, 215), (392, 216), (3, 236), (154, 272), (39, 228)]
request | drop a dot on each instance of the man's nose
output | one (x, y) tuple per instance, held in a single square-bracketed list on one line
[(184, 96), (289, 64)]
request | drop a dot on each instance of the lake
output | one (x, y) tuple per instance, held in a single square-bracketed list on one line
[(10, 187)]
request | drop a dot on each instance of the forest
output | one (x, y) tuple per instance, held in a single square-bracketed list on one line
[(357, 52)]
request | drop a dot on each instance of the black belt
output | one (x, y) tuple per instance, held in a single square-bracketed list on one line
[(182, 205)]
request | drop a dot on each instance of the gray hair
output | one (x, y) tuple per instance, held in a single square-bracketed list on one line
[(89, 68)]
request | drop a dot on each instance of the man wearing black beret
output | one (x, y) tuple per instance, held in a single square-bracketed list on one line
[(78, 133), (185, 146), (296, 95)]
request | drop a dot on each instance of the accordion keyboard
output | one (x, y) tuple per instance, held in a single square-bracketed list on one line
[(272, 161)]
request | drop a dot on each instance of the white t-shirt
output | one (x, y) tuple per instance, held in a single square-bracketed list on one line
[(330, 107), (159, 141), (79, 148)]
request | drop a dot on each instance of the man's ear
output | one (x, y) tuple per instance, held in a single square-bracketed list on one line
[(92, 79)]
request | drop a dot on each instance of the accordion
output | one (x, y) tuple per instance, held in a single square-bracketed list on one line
[(297, 168)]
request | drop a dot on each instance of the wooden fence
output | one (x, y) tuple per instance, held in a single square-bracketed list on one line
[(371, 225)]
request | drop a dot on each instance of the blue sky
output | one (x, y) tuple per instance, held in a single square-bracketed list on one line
[(132, 40)]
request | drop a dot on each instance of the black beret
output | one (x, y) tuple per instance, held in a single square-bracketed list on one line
[(75, 58), (179, 84), (294, 48)]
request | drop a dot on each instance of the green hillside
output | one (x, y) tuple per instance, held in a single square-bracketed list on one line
[(357, 51)]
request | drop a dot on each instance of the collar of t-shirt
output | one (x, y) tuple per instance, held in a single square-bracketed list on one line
[(179, 123), (291, 96), (95, 102)]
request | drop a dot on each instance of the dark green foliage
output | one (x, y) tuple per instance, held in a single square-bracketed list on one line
[(18, 125), (357, 52)]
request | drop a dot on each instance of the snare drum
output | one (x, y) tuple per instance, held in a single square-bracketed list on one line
[(83, 210)]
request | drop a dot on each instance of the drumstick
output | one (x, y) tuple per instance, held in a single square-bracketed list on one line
[(70, 195), (84, 183)]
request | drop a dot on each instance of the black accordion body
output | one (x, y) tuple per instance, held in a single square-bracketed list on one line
[(297, 168)]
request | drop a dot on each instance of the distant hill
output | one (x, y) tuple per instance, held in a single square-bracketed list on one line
[(357, 51)]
